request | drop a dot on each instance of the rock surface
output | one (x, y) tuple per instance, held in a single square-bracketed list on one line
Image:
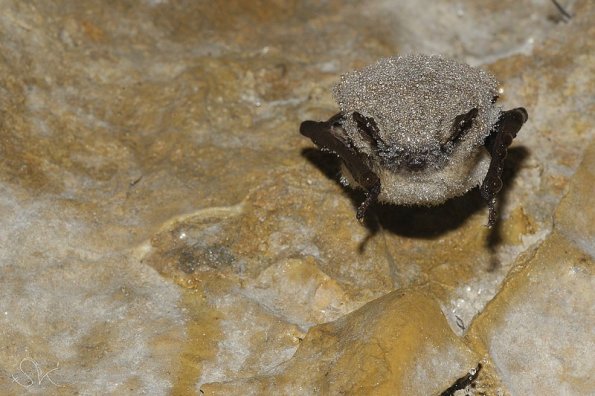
[(397, 344), (164, 228)]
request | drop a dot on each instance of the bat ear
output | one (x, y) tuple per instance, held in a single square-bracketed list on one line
[(368, 129), (460, 125)]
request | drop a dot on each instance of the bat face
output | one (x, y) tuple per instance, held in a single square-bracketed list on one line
[(415, 110), (413, 130)]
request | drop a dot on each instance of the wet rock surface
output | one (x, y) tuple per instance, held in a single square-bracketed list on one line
[(165, 229)]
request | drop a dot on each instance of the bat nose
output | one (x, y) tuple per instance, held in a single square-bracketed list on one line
[(416, 163)]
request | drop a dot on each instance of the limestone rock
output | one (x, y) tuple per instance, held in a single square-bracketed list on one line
[(163, 225), (397, 344), (539, 330)]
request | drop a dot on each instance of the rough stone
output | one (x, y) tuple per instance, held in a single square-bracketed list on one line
[(164, 226), (397, 344), (539, 329)]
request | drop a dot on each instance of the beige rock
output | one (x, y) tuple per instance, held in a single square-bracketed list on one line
[(397, 344), (539, 330), (164, 225)]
